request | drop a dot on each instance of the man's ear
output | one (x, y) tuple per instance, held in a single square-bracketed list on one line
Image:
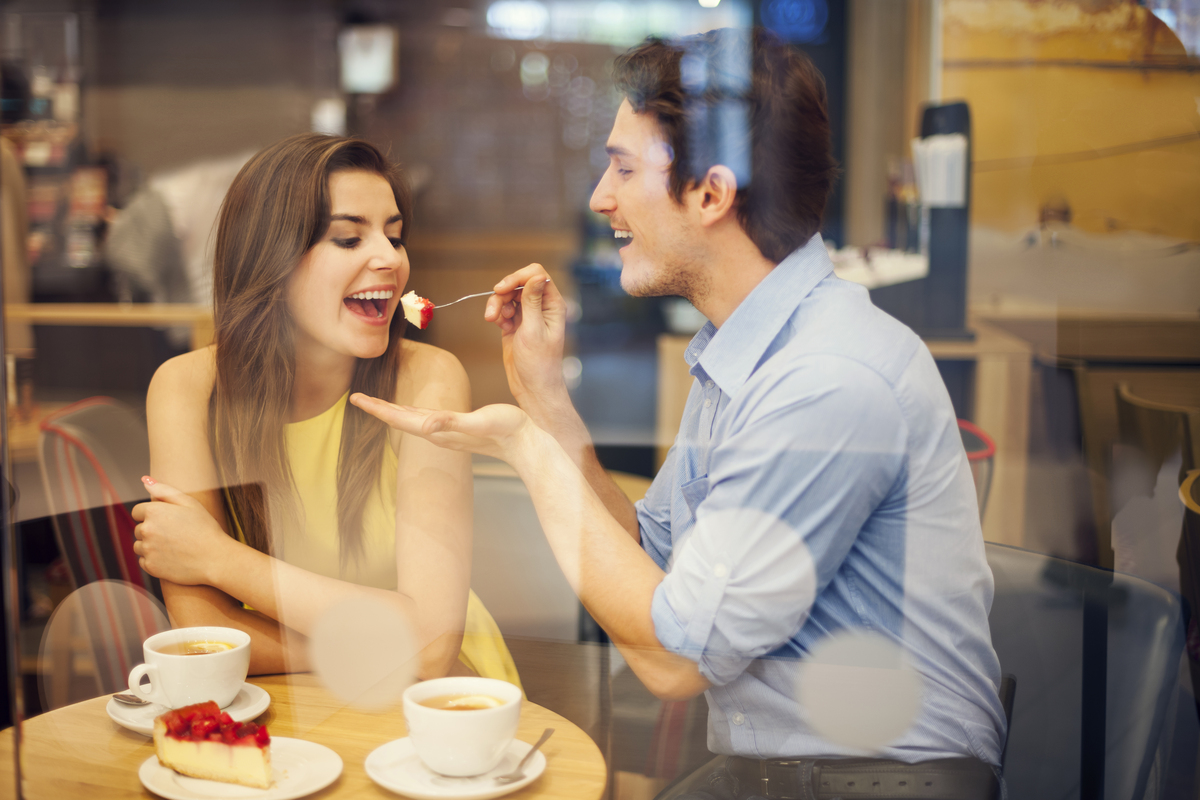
[(716, 194)]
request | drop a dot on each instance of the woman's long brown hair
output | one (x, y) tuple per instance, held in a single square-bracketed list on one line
[(277, 208)]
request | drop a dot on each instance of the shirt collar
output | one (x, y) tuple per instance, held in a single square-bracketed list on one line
[(729, 354)]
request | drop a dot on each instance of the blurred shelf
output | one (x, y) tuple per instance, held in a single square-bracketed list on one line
[(195, 317), (23, 432)]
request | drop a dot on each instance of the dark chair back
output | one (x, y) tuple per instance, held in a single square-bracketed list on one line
[(92, 455), (1188, 556), (1097, 655), (1008, 696)]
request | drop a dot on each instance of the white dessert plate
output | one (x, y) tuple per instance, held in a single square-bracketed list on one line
[(396, 767), (249, 703), (298, 768)]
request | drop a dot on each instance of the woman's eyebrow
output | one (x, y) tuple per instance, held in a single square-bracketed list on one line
[(360, 220)]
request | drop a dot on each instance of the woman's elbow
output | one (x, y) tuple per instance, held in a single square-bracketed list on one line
[(192, 615), (440, 656)]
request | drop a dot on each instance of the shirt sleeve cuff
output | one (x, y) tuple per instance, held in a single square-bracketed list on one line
[(691, 640), (651, 536)]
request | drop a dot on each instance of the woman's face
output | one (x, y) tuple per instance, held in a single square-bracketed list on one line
[(346, 288)]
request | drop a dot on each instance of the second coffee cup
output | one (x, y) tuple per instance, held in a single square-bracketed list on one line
[(192, 665), (462, 726)]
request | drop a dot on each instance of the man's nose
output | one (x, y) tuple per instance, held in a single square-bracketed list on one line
[(602, 201)]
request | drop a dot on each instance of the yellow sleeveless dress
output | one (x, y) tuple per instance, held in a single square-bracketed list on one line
[(313, 445)]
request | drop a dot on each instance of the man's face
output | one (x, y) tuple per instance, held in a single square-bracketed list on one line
[(660, 254)]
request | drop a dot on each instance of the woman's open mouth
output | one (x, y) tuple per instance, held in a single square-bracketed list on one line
[(371, 306)]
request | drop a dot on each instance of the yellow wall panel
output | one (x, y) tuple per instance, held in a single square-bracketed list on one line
[(1120, 145)]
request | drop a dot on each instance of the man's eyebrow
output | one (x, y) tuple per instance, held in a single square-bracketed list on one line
[(619, 152)]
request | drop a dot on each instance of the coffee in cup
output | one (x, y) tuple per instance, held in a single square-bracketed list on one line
[(192, 665), (463, 702), (461, 727), (198, 648)]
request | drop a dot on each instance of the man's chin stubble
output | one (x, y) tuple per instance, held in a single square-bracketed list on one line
[(679, 284)]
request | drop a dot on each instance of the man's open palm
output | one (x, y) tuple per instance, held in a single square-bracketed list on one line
[(490, 431)]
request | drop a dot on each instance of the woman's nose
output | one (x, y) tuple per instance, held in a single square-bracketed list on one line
[(386, 256)]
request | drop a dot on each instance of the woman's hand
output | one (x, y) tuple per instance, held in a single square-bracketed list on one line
[(500, 430), (177, 539)]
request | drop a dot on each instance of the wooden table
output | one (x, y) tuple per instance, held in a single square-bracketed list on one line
[(77, 751), (198, 319), (1157, 354)]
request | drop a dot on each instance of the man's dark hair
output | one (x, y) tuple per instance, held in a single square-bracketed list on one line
[(712, 91)]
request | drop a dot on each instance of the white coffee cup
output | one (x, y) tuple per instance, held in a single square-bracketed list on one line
[(462, 743), (181, 680)]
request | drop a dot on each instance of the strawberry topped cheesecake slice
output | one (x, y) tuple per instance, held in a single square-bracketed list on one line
[(202, 741), (417, 310)]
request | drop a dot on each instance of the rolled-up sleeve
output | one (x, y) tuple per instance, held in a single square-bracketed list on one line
[(806, 459), (654, 513)]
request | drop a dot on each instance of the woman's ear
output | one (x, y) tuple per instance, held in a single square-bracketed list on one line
[(716, 194)]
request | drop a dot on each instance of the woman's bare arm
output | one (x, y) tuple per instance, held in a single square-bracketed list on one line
[(215, 574), (434, 514), (177, 417)]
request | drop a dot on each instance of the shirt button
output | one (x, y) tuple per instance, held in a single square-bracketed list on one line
[(708, 384), (720, 570), (739, 718), (708, 403)]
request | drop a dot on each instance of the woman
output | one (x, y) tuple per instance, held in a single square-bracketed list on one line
[(272, 498)]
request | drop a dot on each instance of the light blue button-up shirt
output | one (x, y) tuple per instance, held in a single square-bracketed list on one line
[(818, 483)]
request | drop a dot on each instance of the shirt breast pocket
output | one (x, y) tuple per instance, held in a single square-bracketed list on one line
[(694, 491)]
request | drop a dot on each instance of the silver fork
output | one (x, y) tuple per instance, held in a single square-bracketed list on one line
[(481, 294), (519, 773)]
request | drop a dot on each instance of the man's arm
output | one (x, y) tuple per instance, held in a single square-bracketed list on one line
[(533, 330), (807, 460), (614, 578)]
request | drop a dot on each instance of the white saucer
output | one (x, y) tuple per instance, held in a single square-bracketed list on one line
[(395, 766), (249, 703), (298, 768)]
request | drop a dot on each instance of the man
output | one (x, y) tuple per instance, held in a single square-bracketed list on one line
[(817, 484)]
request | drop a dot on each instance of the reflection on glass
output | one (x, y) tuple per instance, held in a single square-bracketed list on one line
[(281, 508)]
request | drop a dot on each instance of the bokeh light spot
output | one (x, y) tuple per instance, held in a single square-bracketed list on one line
[(856, 689), (364, 653)]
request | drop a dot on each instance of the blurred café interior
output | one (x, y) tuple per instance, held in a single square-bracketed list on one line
[(1045, 245)]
